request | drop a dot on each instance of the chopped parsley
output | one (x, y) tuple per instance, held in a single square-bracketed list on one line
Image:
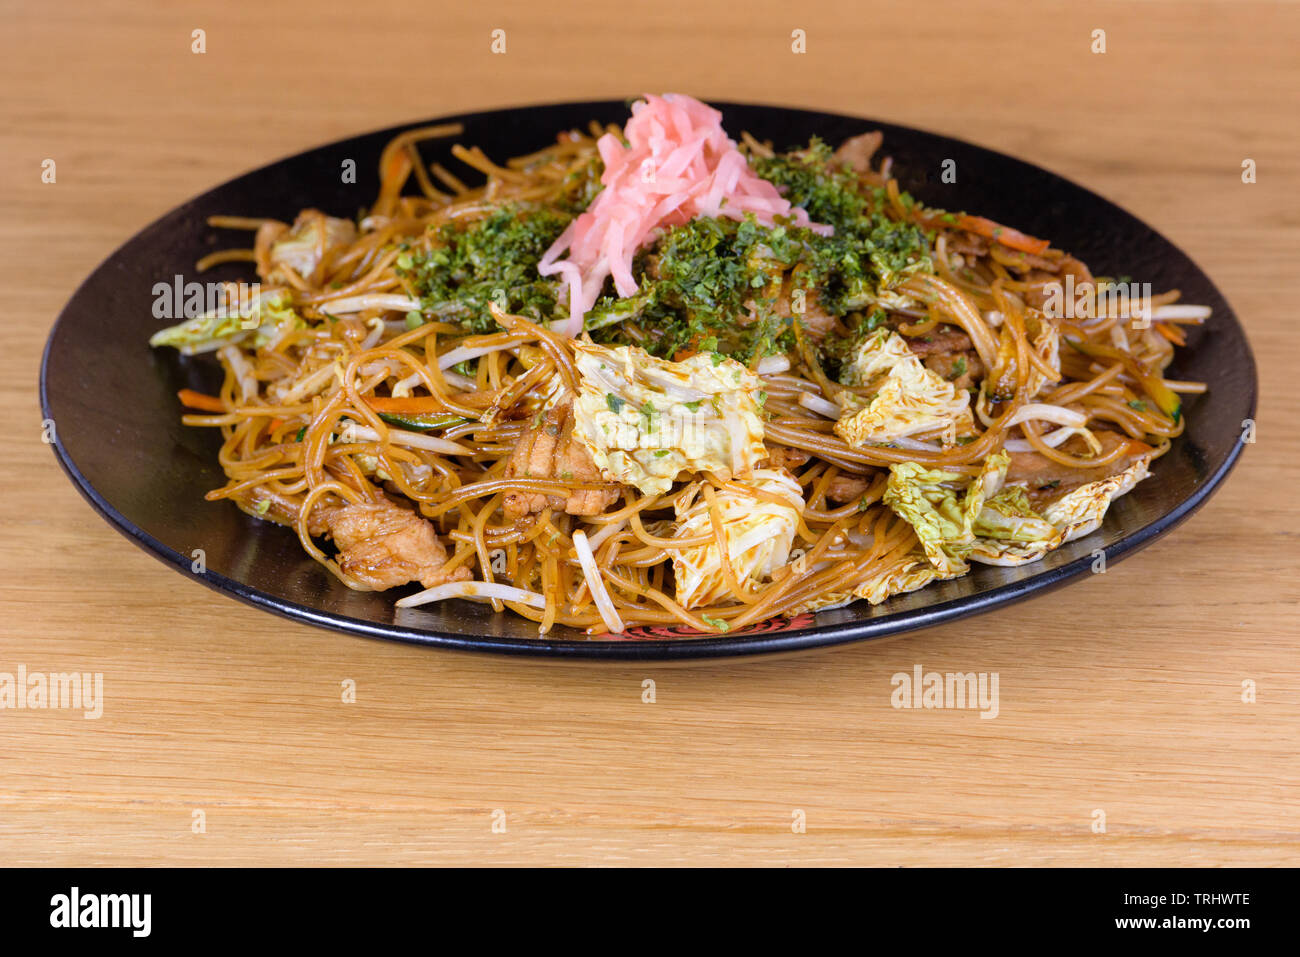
[(491, 260), (868, 248), (710, 280)]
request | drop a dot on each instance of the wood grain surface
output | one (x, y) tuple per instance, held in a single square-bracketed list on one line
[(212, 707)]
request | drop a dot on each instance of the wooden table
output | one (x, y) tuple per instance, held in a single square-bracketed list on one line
[(211, 706)]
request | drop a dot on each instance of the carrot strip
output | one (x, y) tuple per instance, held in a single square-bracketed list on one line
[(197, 400), (1011, 238), (1173, 334)]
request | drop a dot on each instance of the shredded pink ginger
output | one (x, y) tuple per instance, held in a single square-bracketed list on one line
[(679, 164)]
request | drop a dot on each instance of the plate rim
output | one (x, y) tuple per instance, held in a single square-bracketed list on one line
[(647, 650)]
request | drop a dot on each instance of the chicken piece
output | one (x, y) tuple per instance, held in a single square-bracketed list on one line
[(962, 369), (1039, 287), (792, 298), (1042, 283), (847, 488), (1045, 480), (855, 153), (1076, 268), (383, 545), (815, 319), (273, 506), (944, 339), (784, 457), (949, 352), (549, 451), (968, 244)]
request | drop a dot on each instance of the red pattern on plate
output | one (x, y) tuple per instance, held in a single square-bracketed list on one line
[(661, 632)]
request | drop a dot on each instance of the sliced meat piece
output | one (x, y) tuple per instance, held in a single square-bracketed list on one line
[(549, 451), (283, 509), (855, 153), (943, 339), (383, 545), (968, 244), (1038, 288), (1045, 480), (949, 352), (962, 369), (1041, 281), (847, 488), (814, 318), (784, 457), (1076, 268)]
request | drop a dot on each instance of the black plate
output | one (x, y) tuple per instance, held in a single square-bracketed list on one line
[(113, 399)]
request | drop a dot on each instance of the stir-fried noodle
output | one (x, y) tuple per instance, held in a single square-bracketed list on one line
[(636, 381)]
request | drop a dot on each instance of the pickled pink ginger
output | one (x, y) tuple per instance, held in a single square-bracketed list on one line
[(679, 164)]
